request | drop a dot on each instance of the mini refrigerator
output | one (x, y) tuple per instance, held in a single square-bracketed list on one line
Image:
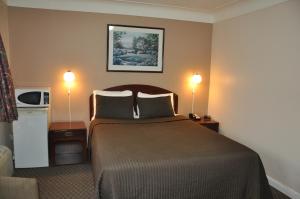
[(30, 136)]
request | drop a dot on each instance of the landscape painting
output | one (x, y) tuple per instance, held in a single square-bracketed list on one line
[(135, 49)]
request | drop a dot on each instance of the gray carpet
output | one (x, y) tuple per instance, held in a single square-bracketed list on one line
[(62, 182), (73, 181)]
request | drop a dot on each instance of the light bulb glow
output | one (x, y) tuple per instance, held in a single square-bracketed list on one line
[(196, 79), (69, 76)]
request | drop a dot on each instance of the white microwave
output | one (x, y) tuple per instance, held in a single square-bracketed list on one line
[(32, 97)]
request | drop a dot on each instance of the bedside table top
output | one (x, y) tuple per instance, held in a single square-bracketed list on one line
[(60, 126), (211, 124)]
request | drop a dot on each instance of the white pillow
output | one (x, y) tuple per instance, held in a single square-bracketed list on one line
[(125, 93), (146, 95)]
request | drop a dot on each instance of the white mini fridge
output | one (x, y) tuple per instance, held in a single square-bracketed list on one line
[(30, 136)]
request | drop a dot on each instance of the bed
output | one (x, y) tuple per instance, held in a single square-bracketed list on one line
[(170, 158)]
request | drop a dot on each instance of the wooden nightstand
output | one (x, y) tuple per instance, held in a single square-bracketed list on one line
[(67, 143), (211, 124)]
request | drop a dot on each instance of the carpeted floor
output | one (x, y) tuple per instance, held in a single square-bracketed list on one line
[(62, 182), (73, 181)]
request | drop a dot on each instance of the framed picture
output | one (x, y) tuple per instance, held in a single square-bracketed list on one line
[(135, 49)]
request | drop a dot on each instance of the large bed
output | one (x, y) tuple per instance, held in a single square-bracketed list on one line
[(170, 158)]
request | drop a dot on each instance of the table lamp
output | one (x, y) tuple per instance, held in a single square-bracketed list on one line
[(69, 78), (196, 79)]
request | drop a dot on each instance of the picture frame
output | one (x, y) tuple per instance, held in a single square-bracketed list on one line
[(135, 49)]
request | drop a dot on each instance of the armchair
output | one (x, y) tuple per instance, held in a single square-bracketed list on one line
[(14, 187)]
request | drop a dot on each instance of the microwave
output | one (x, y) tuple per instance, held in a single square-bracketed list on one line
[(32, 97)]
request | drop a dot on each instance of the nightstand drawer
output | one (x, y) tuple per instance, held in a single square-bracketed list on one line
[(68, 133)]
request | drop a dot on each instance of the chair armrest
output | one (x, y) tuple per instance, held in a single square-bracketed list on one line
[(18, 188), (6, 162)]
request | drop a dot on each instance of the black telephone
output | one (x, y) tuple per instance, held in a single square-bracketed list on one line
[(206, 118), (194, 116)]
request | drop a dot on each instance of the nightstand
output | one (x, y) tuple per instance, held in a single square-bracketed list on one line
[(211, 124), (67, 143)]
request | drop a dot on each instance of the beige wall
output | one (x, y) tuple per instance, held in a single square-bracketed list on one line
[(44, 44), (5, 128), (254, 88)]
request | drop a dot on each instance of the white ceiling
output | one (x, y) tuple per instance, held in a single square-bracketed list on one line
[(208, 11), (197, 5)]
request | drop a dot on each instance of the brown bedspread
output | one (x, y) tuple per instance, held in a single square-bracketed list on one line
[(172, 158)]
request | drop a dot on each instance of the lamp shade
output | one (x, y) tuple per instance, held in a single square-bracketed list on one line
[(69, 76), (196, 79)]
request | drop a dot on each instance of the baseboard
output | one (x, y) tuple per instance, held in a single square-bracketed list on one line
[(283, 188)]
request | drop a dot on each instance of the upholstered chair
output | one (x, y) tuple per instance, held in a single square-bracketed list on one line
[(14, 187)]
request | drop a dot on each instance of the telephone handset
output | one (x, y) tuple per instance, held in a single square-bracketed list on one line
[(194, 116)]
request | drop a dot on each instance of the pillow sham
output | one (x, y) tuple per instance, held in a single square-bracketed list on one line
[(155, 107), (114, 107), (125, 93), (146, 95)]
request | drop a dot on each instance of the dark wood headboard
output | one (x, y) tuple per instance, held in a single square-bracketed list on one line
[(135, 88)]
